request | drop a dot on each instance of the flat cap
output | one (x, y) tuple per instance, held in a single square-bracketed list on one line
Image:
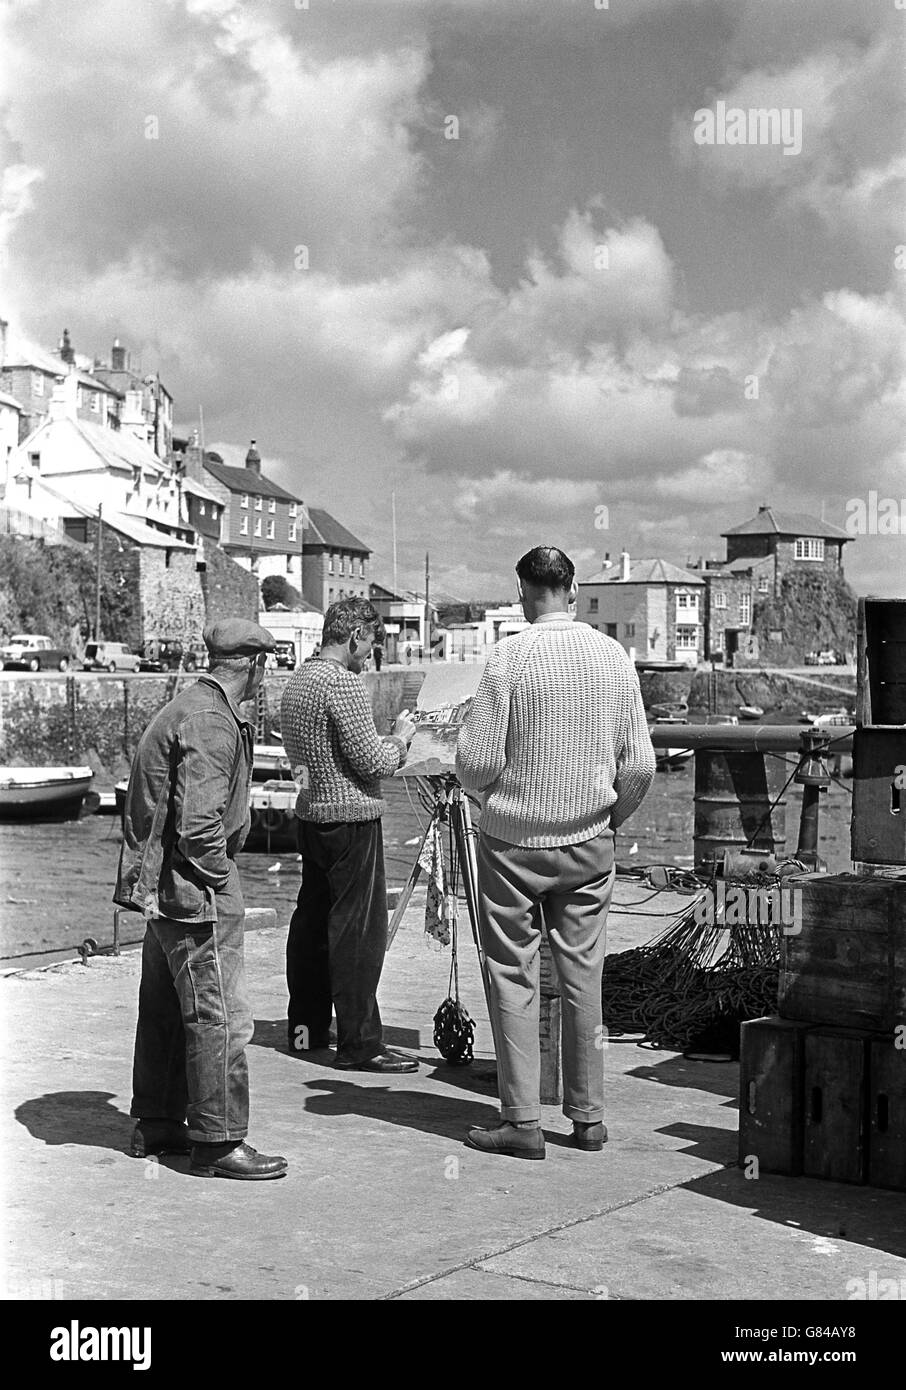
[(237, 637)]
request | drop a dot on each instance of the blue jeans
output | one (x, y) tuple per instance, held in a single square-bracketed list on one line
[(194, 1022)]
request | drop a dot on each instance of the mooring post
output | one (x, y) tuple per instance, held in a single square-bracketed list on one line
[(814, 778)]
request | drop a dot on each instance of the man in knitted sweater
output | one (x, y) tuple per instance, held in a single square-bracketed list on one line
[(556, 747), (338, 932)]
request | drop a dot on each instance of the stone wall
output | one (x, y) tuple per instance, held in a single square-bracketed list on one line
[(172, 600), (229, 590), (101, 724)]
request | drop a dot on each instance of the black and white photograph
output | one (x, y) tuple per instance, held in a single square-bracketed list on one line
[(453, 667)]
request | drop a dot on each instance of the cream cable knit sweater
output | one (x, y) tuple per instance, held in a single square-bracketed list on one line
[(556, 741)]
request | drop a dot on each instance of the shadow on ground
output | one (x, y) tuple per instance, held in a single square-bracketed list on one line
[(868, 1216), (431, 1113)]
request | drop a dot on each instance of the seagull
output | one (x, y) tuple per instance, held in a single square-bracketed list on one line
[(635, 848), (275, 868)]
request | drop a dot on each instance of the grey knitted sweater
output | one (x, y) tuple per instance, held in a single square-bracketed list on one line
[(337, 756), (556, 742)]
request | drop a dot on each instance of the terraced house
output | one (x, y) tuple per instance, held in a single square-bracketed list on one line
[(263, 525)]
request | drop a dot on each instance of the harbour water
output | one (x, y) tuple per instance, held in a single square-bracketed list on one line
[(57, 878)]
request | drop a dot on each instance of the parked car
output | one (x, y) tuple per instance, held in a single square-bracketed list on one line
[(285, 654), (33, 651), (166, 654), (109, 656)]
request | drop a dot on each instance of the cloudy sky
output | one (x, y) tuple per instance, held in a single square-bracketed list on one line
[(469, 251)]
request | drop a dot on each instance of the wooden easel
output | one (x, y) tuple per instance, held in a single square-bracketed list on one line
[(451, 806)]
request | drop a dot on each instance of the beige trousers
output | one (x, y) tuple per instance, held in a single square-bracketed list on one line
[(571, 886)]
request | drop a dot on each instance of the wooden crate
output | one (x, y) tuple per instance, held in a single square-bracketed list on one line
[(881, 662), (771, 1070), (836, 1085), (878, 832), (887, 1115), (847, 965)]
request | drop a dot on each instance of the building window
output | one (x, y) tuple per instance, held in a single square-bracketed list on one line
[(293, 510), (96, 402), (809, 548), (292, 530), (257, 525), (330, 595), (34, 461), (362, 568), (629, 630), (201, 511), (271, 529), (686, 638), (745, 609), (610, 629), (272, 504), (258, 504), (244, 499), (243, 526), (342, 568), (592, 605), (330, 566), (763, 583), (720, 598)]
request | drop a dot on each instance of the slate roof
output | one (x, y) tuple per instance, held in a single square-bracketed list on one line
[(646, 572), (244, 480), (324, 529), (769, 522)]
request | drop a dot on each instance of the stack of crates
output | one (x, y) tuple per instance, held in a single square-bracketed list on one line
[(823, 1084)]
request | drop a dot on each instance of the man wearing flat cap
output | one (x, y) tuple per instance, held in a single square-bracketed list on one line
[(186, 818)]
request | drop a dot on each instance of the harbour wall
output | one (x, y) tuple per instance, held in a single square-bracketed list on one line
[(97, 721)]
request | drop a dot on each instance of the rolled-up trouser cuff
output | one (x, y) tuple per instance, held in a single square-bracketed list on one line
[(518, 1114), (585, 1117)]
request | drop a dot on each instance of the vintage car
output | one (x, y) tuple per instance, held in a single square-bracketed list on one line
[(109, 656), (32, 651), (166, 654)]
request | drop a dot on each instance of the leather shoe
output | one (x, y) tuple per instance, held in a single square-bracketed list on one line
[(232, 1160), (513, 1140), (152, 1137), (386, 1062), (589, 1138)]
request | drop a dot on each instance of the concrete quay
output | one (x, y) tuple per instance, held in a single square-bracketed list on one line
[(383, 1201)]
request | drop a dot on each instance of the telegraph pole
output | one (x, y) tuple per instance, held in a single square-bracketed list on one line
[(427, 642), (97, 595)]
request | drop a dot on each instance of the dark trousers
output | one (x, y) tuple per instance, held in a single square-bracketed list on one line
[(337, 938), (194, 1022)]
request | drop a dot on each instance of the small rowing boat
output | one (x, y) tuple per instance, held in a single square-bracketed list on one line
[(43, 793)]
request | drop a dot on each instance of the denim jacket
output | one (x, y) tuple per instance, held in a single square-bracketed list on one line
[(187, 806)]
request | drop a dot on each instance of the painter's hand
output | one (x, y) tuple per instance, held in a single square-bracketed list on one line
[(404, 726)]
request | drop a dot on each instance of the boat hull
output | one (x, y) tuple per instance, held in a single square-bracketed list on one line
[(43, 793)]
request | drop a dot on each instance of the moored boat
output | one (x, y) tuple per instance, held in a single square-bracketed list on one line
[(274, 822), (43, 793), (751, 712)]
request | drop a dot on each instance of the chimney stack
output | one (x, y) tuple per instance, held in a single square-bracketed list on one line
[(253, 459), (66, 349), (624, 564), (117, 357)]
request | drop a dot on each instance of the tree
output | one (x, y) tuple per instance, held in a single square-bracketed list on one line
[(277, 592)]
